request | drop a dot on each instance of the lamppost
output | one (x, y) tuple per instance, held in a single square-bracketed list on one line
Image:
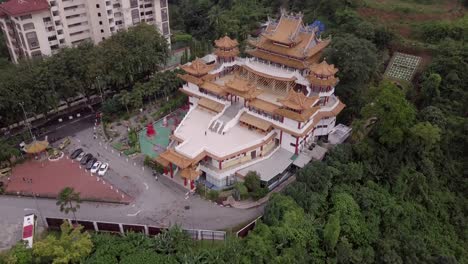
[(26, 121), (30, 181), (98, 84)]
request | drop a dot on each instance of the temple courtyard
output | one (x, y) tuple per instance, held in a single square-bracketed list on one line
[(47, 178)]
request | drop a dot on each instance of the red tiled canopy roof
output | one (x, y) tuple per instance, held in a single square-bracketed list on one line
[(23, 7)]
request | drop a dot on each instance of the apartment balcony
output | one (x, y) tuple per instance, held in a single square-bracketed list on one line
[(53, 42), (49, 24), (80, 36), (72, 3), (51, 33), (75, 20), (78, 28), (73, 11)]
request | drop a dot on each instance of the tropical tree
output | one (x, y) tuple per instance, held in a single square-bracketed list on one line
[(125, 98), (394, 113), (136, 97), (69, 201), (171, 241), (355, 57), (71, 246), (430, 88)]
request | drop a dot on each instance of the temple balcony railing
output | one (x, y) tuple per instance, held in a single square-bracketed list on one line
[(275, 69), (207, 166)]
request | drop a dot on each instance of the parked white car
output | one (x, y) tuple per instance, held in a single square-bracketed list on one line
[(80, 156), (103, 169), (96, 166)]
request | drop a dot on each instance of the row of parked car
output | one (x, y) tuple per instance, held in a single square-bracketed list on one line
[(90, 162)]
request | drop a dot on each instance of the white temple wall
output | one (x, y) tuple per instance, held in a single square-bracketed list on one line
[(193, 101), (324, 126), (290, 123), (286, 142)]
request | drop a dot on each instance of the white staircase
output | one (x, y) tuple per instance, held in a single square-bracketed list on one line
[(218, 125)]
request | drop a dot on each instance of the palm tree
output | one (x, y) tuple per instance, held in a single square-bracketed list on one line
[(125, 99), (69, 201)]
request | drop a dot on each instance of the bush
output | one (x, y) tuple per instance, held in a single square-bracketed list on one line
[(252, 181), (241, 191), (181, 37), (433, 32), (213, 195), (126, 116), (132, 138), (200, 190), (19, 254), (259, 193)]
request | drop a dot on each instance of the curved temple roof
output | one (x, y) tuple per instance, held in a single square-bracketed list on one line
[(323, 69), (198, 67), (298, 101), (226, 42)]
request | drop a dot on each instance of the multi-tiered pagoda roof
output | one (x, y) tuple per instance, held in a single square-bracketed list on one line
[(289, 42)]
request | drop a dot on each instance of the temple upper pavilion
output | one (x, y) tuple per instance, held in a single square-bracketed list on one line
[(257, 113)]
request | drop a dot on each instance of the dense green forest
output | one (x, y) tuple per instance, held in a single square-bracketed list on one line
[(395, 194)]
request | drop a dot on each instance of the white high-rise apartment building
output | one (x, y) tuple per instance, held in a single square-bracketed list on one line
[(35, 28)]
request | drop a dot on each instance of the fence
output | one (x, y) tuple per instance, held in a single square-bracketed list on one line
[(120, 228)]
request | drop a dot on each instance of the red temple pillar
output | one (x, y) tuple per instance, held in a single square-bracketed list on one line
[(192, 185), (298, 125), (281, 136), (220, 165), (165, 170), (261, 150), (172, 170), (185, 181), (297, 145)]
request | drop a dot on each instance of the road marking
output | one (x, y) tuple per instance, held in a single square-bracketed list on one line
[(135, 214), (146, 185), (29, 209)]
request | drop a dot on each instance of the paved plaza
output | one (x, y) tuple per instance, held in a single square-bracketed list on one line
[(48, 178)]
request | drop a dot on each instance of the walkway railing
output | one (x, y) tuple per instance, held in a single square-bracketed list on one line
[(121, 228)]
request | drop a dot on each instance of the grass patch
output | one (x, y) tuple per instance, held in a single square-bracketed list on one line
[(131, 151), (118, 146)]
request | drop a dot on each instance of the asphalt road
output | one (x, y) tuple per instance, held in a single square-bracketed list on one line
[(160, 203)]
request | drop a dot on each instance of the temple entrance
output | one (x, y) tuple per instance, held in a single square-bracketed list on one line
[(253, 154)]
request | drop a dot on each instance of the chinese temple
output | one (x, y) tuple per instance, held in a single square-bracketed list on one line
[(258, 112)]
